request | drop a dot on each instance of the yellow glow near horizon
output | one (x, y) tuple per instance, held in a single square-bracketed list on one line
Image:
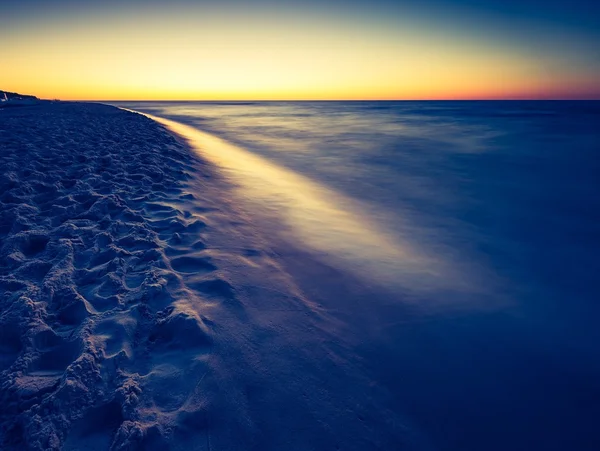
[(169, 58)]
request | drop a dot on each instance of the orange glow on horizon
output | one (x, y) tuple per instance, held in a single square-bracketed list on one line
[(168, 58)]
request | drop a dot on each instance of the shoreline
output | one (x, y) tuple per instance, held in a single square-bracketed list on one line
[(149, 300), (141, 305)]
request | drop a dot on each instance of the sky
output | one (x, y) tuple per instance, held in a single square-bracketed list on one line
[(300, 50)]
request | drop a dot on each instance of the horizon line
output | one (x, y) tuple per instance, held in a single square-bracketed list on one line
[(595, 99)]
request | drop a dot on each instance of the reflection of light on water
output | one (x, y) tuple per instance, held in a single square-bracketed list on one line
[(324, 220)]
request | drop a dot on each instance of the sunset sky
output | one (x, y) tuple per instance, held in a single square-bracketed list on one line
[(233, 50)]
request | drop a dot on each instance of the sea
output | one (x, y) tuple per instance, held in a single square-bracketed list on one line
[(473, 225)]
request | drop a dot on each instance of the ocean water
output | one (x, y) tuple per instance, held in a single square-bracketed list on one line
[(475, 227)]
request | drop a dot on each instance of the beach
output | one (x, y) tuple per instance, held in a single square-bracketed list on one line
[(298, 276), (140, 310)]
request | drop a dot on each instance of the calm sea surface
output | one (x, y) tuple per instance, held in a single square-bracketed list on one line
[(483, 216)]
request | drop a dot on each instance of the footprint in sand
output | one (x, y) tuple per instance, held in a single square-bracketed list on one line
[(192, 265)]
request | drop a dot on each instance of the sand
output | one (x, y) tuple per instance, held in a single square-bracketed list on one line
[(141, 309)]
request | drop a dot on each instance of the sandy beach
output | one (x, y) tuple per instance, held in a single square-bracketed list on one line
[(141, 310)]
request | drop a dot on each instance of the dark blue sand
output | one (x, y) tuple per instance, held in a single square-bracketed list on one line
[(509, 189)]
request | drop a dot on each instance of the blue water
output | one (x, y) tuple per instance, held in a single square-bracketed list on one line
[(489, 217)]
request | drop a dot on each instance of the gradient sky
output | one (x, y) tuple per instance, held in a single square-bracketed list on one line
[(234, 50)]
